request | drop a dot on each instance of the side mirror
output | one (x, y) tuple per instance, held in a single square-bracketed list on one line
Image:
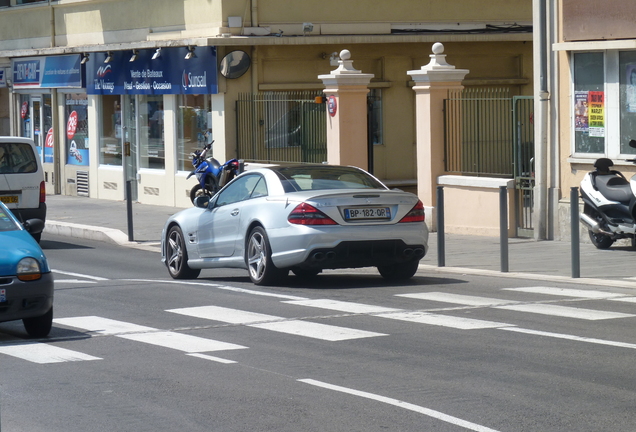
[(202, 201), (34, 226)]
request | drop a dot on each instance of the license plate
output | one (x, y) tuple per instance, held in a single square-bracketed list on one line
[(368, 213), (9, 199)]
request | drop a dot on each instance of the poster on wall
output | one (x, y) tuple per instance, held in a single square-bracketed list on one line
[(76, 129), (580, 111), (596, 117)]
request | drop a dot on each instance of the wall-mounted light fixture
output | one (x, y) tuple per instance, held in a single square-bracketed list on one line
[(307, 28), (109, 57), (84, 58), (134, 55), (190, 53), (157, 54), (334, 59)]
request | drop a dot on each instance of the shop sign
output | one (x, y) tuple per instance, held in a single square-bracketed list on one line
[(170, 73), (47, 72)]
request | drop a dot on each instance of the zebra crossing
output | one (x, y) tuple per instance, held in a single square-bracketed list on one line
[(428, 308)]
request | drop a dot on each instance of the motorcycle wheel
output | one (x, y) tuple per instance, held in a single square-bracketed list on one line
[(210, 189), (601, 241)]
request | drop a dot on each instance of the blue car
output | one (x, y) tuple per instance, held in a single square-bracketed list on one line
[(26, 282)]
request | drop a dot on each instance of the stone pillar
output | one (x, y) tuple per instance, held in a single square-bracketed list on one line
[(432, 85), (346, 90)]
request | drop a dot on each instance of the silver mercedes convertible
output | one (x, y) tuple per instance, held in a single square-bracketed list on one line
[(303, 218)]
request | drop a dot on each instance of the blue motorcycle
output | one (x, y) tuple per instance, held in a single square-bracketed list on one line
[(211, 174)]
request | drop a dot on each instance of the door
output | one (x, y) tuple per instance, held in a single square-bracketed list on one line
[(220, 227), (130, 139)]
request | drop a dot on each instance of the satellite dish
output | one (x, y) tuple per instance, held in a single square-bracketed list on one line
[(235, 64)]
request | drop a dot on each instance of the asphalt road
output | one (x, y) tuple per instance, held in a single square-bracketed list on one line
[(133, 350)]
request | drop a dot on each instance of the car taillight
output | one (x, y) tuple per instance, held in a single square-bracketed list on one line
[(416, 214), (306, 214), (42, 192)]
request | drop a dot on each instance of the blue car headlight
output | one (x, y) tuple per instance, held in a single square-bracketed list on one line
[(29, 269)]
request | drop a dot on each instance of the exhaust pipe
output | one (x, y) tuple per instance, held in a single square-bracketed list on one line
[(330, 255), (592, 224), (408, 252), (318, 256), (419, 252)]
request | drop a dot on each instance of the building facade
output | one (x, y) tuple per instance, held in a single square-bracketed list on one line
[(117, 91), (592, 99)]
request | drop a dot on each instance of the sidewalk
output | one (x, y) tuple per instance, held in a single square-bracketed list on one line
[(106, 220)]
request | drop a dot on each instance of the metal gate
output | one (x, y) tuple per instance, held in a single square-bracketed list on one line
[(489, 133), (523, 114), (277, 127)]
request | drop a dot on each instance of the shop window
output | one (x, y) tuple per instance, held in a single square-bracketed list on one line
[(29, 1), (194, 127), (151, 137), (589, 103), (110, 131), (76, 116), (627, 89)]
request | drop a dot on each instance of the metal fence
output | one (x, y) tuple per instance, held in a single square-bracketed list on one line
[(479, 132), (277, 127)]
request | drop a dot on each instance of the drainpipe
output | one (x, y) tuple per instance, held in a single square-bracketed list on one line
[(542, 99), (52, 24), (254, 13)]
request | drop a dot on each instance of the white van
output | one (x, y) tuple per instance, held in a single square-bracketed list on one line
[(22, 186)]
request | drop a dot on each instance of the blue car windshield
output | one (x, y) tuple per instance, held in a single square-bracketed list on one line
[(7, 223)]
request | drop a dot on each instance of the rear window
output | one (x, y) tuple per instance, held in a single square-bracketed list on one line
[(327, 177), (17, 158)]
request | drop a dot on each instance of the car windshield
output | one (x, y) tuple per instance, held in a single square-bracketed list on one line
[(17, 158), (7, 223), (300, 178)]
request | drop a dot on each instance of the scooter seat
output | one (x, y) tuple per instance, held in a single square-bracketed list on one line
[(614, 188)]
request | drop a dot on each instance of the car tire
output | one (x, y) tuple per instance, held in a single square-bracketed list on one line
[(39, 327), (177, 256), (399, 271), (258, 258)]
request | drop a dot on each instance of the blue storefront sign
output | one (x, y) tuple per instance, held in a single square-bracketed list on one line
[(48, 72), (169, 73)]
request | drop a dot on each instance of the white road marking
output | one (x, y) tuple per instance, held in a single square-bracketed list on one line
[(565, 311), (624, 299), (72, 281), (356, 308), (571, 337), (443, 320), (181, 342), (401, 404), (85, 276), (166, 339), (566, 292), (44, 353), (102, 326), (466, 300), (275, 323), (222, 287), (211, 358)]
